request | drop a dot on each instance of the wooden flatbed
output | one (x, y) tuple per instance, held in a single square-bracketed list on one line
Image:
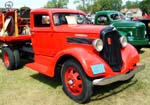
[(9, 23), (19, 38)]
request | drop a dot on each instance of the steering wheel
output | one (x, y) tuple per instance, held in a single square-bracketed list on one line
[(8, 4)]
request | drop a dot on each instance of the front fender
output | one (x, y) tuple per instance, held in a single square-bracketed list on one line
[(130, 57), (86, 58), (122, 33)]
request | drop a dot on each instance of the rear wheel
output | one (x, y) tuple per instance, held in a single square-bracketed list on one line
[(17, 58), (8, 58), (75, 83)]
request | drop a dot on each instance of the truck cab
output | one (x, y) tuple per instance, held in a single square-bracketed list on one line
[(51, 34), (64, 45), (135, 32)]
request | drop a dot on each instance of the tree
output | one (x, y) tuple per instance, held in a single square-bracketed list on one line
[(145, 6), (132, 4), (107, 5), (83, 4), (56, 4), (96, 5)]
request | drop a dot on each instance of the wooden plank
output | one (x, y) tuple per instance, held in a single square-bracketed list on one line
[(5, 25), (16, 24)]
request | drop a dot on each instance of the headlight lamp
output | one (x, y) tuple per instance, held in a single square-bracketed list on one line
[(123, 41), (98, 44)]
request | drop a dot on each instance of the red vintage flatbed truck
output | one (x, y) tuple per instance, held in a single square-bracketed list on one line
[(61, 42)]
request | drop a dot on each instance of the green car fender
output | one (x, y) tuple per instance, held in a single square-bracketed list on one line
[(127, 35)]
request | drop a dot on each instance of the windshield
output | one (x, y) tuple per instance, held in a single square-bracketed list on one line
[(69, 18), (117, 16)]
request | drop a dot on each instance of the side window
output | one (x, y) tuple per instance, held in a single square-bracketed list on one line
[(41, 20), (102, 19), (56, 19)]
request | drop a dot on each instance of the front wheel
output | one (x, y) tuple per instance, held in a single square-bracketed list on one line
[(75, 83)]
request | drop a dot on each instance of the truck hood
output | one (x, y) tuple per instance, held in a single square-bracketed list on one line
[(88, 29), (124, 23)]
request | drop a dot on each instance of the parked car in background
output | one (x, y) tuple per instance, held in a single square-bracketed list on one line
[(134, 31), (146, 20), (91, 18)]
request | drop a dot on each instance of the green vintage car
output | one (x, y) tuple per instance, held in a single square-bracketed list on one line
[(135, 32)]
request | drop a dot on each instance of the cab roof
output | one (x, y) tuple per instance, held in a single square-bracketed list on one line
[(106, 12), (57, 10)]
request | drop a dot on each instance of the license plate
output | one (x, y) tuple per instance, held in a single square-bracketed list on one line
[(97, 69)]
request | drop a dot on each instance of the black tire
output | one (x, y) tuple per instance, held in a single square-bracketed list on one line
[(11, 26), (8, 58), (138, 48), (17, 58), (77, 87)]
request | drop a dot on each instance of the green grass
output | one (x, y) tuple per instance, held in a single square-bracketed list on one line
[(27, 87)]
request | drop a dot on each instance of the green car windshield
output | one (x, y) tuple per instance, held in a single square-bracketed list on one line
[(117, 16)]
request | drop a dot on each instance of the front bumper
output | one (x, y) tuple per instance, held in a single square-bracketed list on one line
[(120, 77)]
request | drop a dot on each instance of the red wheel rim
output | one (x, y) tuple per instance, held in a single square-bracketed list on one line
[(73, 81), (6, 59)]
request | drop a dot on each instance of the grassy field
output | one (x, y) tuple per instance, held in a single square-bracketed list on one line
[(27, 87)]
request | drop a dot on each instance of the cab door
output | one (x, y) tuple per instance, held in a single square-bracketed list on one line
[(42, 34)]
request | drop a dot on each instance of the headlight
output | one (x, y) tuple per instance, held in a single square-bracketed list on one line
[(145, 32), (123, 41), (98, 44), (148, 24), (130, 33)]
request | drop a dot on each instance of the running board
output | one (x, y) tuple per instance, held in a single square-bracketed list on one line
[(39, 67)]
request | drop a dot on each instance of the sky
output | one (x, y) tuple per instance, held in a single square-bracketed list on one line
[(36, 3)]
